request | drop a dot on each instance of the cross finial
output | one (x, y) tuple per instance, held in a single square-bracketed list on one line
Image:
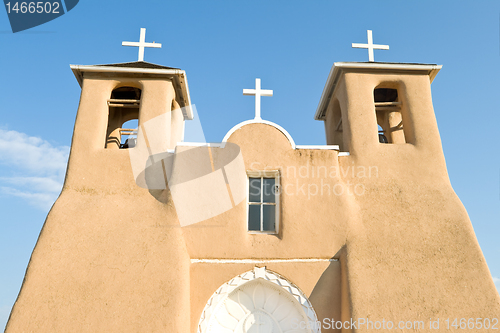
[(258, 93), (370, 46), (142, 44)]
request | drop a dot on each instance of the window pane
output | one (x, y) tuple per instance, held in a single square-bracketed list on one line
[(254, 217), (269, 217), (254, 190), (268, 190)]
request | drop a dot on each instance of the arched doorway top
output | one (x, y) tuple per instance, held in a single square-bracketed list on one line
[(268, 291)]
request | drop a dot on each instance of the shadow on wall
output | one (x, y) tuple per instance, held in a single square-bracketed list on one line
[(326, 296)]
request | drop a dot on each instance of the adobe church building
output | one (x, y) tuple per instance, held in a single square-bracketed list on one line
[(361, 232)]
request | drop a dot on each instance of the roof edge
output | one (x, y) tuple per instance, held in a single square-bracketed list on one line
[(79, 69), (136, 64)]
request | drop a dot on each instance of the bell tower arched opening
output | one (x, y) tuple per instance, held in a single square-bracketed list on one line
[(123, 118), (389, 116)]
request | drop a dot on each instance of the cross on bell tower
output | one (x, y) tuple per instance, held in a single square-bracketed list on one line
[(142, 44), (258, 92), (370, 46)]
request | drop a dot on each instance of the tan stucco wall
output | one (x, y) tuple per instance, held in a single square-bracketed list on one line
[(112, 257), (299, 227), (412, 253)]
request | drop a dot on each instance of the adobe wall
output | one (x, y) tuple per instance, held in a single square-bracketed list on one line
[(309, 227), (412, 253), (110, 256)]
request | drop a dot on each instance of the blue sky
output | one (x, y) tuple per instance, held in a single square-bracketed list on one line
[(224, 46)]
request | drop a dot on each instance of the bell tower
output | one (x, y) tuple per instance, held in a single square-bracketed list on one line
[(364, 104), (408, 227), (117, 93), (106, 241)]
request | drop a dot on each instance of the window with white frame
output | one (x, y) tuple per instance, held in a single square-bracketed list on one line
[(263, 201)]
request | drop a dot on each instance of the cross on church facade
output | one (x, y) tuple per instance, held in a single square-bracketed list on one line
[(142, 44), (370, 46), (258, 92)]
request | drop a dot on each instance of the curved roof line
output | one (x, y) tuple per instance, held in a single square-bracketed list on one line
[(260, 121)]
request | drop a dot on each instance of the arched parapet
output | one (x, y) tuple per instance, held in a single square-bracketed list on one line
[(282, 130), (260, 121), (259, 300)]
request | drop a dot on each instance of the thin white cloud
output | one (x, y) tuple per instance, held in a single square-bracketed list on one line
[(497, 283), (32, 168), (44, 184), (32, 154), (41, 200)]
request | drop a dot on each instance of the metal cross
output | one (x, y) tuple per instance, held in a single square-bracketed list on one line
[(258, 93), (370, 46), (142, 44)]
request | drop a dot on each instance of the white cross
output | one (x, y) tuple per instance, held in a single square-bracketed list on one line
[(142, 44), (258, 93), (370, 46)]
